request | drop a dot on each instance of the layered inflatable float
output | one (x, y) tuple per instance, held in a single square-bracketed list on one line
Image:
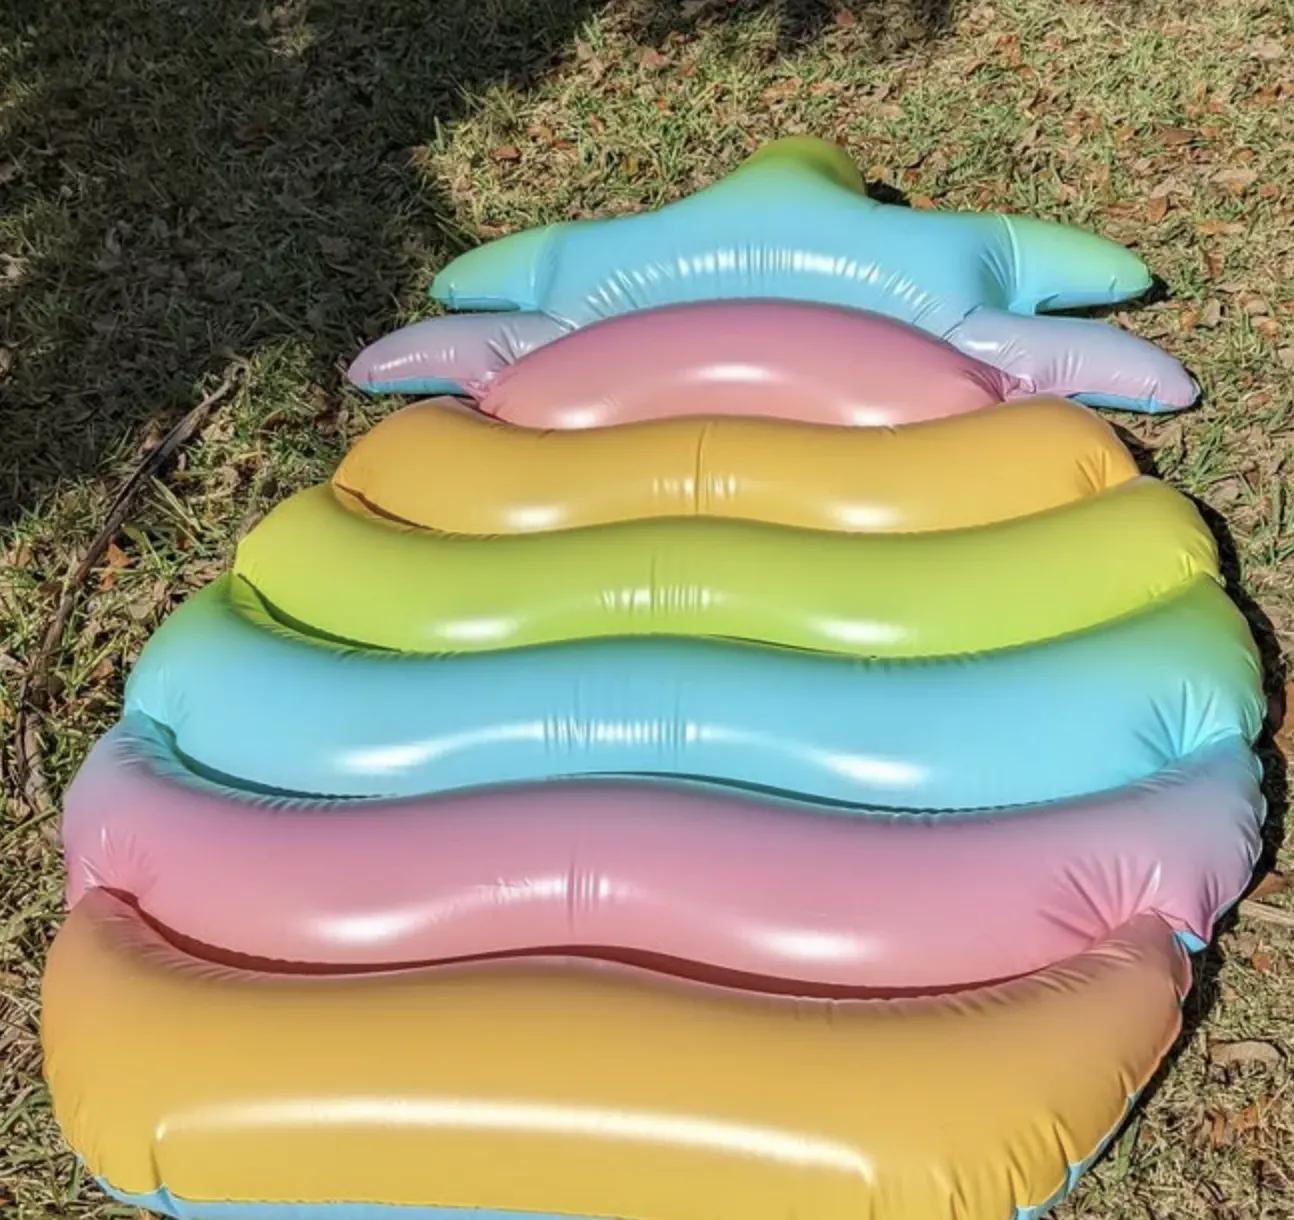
[(760, 758), (794, 223), (605, 1089)]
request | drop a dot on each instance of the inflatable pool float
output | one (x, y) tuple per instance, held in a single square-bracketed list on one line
[(350, 575), (440, 466), (795, 223), (786, 894), (762, 757), (605, 1089), (250, 700)]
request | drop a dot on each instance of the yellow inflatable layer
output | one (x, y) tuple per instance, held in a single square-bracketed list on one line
[(582, 1088), (351, 575), (439, 465)]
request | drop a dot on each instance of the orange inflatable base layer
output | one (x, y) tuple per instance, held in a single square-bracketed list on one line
[(574, 1087)]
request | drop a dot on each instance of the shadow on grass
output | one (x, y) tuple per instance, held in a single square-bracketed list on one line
[(185, 180)]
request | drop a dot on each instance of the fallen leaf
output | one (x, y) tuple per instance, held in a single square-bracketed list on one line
[(507, 152), (1286, 357), (1213, 264), (1212, 228), (1269, 190), (1267, 48), (1178, 135), (1269, 328), (1236, 180), (1157, 209), (924, 202), (845, 17), (1269, 884), (1262, 962), (1210, 315), (1249, 1118), (1189, 318), (652, 59), (103, 671), (1231, 1054)]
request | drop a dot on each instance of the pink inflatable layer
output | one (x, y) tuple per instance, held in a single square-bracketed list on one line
[(736, 883), (818, 363)]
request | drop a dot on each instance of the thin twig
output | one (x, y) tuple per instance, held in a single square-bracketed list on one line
[(29, 775), (1266, 913)]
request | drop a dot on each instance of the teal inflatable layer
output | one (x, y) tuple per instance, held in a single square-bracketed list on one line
[(262, 706)]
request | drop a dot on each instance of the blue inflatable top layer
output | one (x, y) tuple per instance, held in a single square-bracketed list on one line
[(255, 704), (795, 223)]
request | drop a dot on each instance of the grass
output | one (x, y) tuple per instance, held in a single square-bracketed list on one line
[(187, 187)]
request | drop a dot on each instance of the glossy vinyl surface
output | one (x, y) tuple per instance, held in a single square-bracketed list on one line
[(798, 360), (786, 893), (414, 1087), (441, 466), (251, 700), (794, 223), (346, 573)]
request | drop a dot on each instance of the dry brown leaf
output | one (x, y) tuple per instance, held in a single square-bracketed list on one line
[(1269, 884), (507, 152), (924, 202), (1286, 357), (1262, 962), (1213, 264), (844, 17), (1284, 719), (1210, 315), (1248, 1119), (1178, 135), (1236, 180), (1212, 228), (1267, 48), (653, 60), (1157, 209), (1189, 318), (1269, 190), (1232, 1054)]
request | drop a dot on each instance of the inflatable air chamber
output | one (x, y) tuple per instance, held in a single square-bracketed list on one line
[(769, 752), (795, 224)]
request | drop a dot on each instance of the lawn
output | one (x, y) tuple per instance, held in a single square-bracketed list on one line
[(197, 195)]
